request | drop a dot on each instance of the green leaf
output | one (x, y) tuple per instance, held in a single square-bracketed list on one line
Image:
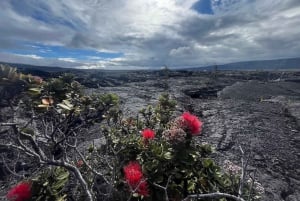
[(64, 106), (168, 155), (35, 90), (63, 175), (159, 179), (62, 198), (91, 148), (28, 131), (207, 162), (191, 186), (227, 182), (43, 106), (67, 103)]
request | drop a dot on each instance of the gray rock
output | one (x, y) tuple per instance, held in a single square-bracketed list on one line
[(261, 117)]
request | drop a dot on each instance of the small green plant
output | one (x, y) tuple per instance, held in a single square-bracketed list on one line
[(13, 84), (50, 184), (8, 74), (172, 159), (164, 159), (161, 113)]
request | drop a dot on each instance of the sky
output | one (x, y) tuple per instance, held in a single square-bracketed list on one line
[(147, 34)]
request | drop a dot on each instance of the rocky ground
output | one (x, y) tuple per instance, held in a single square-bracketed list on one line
[(259, 112), (256, 111)]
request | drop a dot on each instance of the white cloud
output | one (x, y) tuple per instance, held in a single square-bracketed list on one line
[(68, 59), (32, 56), (94, 58), (36, 60)]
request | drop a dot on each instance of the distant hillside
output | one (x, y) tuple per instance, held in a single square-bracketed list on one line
[(43, 71), (278, 64), (42, 68)]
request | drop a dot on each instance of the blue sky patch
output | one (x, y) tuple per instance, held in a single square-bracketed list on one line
[(203, 7), (47, 51)]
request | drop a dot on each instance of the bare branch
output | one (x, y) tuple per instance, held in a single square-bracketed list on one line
[(12, 146), (164, 188), (8, 124), (134, 190), (242, 179), (34, 145), (77, 173), (251, 185), (92, 169), (10, 170)]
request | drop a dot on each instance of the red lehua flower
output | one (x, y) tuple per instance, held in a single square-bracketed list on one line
[(134, 177), (20, 192), (193, 123), (148, 134), (133, 174), (143, 189)]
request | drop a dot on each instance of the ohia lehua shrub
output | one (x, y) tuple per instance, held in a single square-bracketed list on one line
[(153, 156)]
